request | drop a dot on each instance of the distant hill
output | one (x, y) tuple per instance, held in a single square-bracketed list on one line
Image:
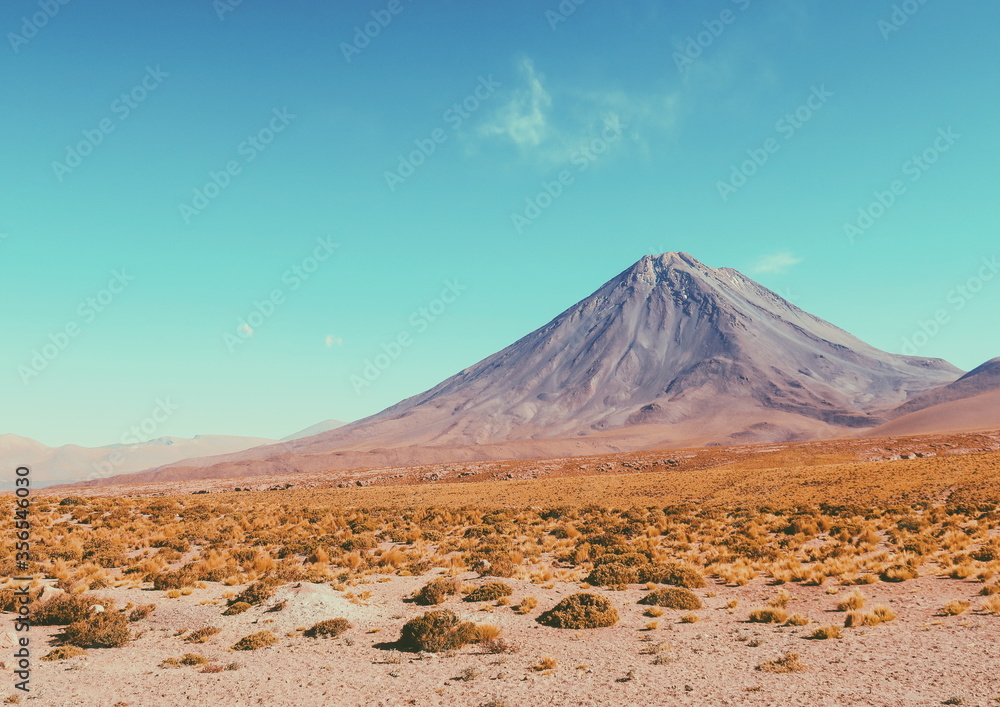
[(970, 403), (73, 463), (316, 429)]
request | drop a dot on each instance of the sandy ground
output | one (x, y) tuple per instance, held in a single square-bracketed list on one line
[(921, 658)]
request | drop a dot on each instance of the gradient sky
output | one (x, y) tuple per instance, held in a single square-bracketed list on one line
[(602, 95)]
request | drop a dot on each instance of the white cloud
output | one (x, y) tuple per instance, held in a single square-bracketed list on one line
[(555, 126), (776, 263), (524, 120)]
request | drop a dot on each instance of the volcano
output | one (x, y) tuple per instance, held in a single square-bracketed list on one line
[(669, 353)]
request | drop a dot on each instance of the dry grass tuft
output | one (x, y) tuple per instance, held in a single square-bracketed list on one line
[(825, 632), (768, 615), (788, 663)]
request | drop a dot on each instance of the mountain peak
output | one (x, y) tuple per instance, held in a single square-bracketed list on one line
[(668, 341), (674, 259)]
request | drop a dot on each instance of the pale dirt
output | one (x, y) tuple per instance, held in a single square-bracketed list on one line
[(919, 659)]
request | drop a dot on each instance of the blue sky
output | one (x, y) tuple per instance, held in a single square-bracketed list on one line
[(634, 113)]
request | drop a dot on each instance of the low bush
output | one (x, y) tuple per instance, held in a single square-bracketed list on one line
[(141, 612), (163, 581), (489, 592), (107, 629), (672, 598), (436, 591), (261, 639), (64, 653), (613, 574), (237, 608), (580, 611), (257, 593), (672, 573), (437, 631), (202, 635), (331, 628), (64, 609)]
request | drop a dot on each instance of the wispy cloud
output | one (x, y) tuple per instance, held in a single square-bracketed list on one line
[(554, 124), (776, 263), (524, 119)]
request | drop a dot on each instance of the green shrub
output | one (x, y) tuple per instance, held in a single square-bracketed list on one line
[(261, 639), (107, 629), (489, 592), (331, 628), (436, 591), (672, 598), (580, 611), (436, 631)]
